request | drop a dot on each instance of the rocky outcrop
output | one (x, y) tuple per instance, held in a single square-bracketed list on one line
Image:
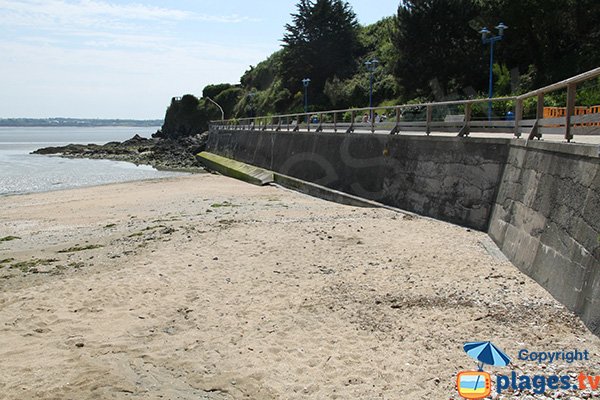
[(161, 153)]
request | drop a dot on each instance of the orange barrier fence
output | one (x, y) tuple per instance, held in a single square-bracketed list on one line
[(557, 112), (554, 112), (594, 110)]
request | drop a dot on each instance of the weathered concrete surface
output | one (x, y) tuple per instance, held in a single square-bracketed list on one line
[(452, 179), (314, 190), (547, 221), (259, 176), (235, 169)]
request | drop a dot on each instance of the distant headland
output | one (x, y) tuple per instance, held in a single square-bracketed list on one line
[(76, 122)]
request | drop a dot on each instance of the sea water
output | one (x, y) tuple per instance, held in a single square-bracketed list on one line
[(22, 172)]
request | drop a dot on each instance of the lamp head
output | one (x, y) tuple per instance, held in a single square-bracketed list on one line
[(501, 27), (305, 82), (372, 64), (484, 32)]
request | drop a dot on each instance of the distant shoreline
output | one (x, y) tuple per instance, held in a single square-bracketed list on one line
[(76, 122)]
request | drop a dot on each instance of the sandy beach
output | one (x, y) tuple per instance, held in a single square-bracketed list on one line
[(204, 287)]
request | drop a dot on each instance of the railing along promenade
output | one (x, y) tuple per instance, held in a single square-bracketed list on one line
[(461, 117)]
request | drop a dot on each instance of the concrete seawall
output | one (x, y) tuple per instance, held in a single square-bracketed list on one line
[(445, 178), (540, 202), (547, 221)]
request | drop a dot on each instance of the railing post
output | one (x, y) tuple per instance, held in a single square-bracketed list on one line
[(372, 120), (396, 128), (320, 126), (334, 122), (287, 123), (535, 131), (466, 129), (518, 117), (571, 96), (429, 117), (540, 106), (468, 112), (351, 127)]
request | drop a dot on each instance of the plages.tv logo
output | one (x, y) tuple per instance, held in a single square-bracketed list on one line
[(478, 384)]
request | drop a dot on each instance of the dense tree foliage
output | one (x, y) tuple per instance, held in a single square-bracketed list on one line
[(554, 38), (320, 43), (547, 41), (264, 87), (188, 116), (429, 50), (213, 91), (264, 74), (435, 40)]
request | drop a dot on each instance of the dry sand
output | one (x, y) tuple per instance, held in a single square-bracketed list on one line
[(204, 287)]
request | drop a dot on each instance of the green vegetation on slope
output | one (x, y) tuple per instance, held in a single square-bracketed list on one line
[(429, 50)]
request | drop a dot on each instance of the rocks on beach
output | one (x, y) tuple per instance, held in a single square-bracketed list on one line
[(159, 152)]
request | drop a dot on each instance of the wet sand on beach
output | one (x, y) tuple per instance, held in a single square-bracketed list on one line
[(204, 287)]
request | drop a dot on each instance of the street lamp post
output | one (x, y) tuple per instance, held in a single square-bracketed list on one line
[(371, 66), (220, 108), (491, 40), (306, 82)]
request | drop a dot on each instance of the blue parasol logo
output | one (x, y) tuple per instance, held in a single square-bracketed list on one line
[(486, 353), (477, 385)]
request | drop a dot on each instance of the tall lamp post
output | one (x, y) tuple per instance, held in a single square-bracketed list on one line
[(306, 82), (371, 66), (491, 40), (220, 108)]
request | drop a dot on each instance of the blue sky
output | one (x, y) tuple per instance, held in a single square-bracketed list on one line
[(126, 59)]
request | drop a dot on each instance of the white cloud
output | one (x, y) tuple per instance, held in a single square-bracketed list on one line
[(63, 15), (95, 58), (49, 80)]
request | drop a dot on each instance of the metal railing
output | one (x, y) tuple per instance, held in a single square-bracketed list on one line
[(461, 117)]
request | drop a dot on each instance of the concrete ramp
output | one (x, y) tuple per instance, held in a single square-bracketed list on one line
[(260, 176), (235, 169), (323, 192)]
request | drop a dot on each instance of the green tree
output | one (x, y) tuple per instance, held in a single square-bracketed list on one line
[(320, 43), (438, 40), (559, 38), (264, 74), (352, 92), (213, 91), (376, 40), (188, 116), (228, 98)]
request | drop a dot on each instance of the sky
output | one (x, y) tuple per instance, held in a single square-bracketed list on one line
[(127, 59)]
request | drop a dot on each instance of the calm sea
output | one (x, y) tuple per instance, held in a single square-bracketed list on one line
[(22, 172)]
